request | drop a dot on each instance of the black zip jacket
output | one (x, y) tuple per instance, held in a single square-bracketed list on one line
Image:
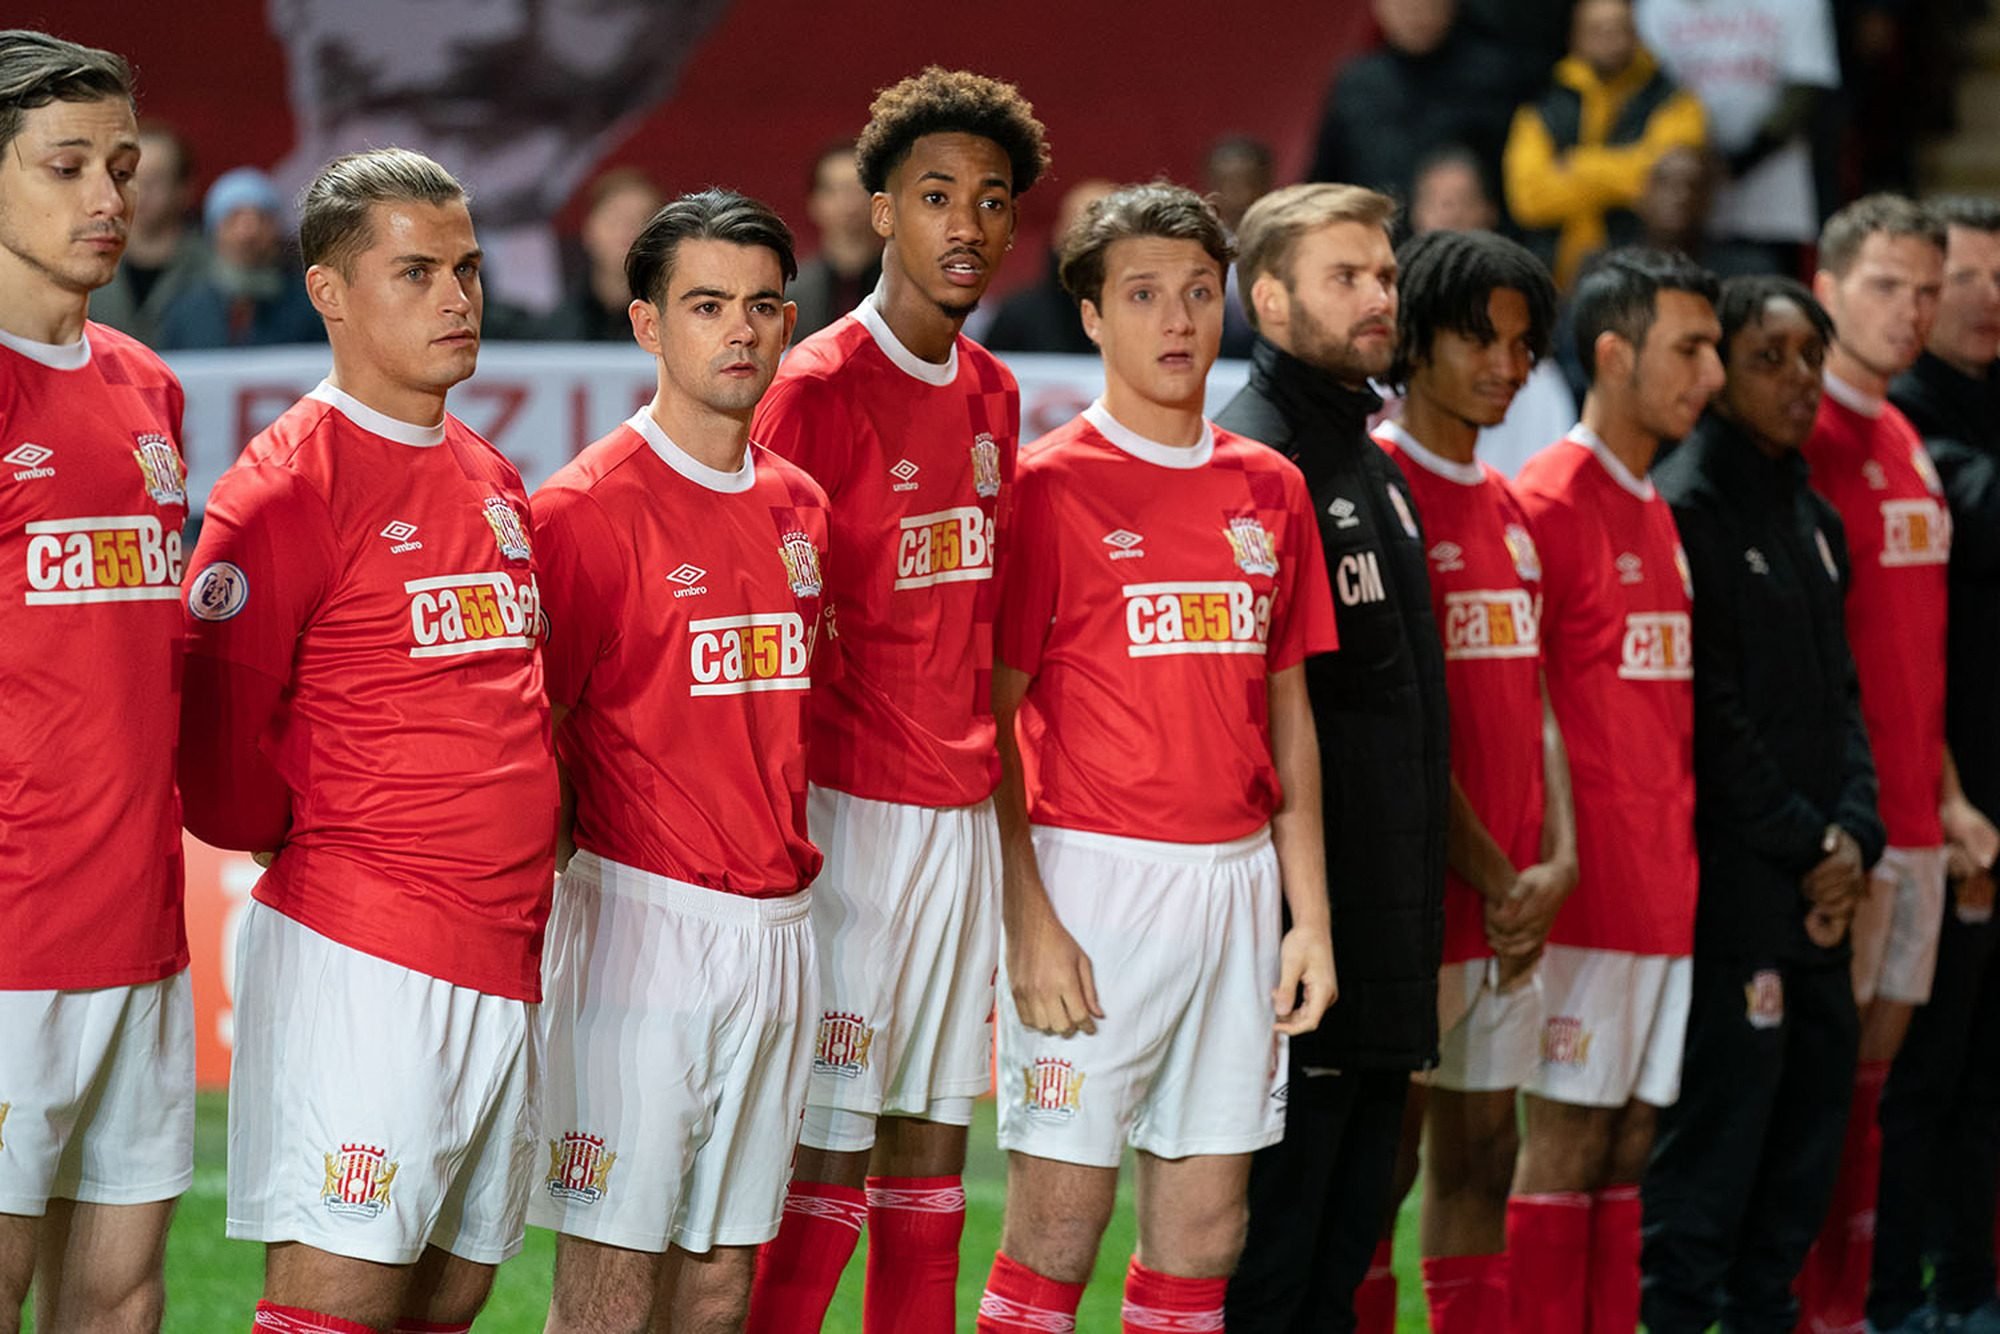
[(1780, 751), (1379, 702), (1959, 418)]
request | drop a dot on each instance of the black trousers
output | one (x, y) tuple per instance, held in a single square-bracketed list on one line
[(1744, 1163), (1940, 1124), (1318, 1200)]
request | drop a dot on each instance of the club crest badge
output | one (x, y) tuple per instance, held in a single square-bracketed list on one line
[(985, 465), (1051, 1089), (166, 480), (1255, 552), (357, 1181), (578, 1167), (1764, 999), (801, 559), (1521, 546), (841, 1047), (507, 530)]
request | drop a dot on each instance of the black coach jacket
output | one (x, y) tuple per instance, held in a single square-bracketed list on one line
[(1959, 418), (1379, 702), (1780, 751)]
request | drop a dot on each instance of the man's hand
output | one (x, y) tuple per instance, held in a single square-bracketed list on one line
[(1834, 887), (1968, 829), (1054, 990), (1306, 983), (1518, 925), (1972, 885)]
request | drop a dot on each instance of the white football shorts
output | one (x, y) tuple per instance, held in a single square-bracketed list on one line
[(1613, 1028), (1896, 926)]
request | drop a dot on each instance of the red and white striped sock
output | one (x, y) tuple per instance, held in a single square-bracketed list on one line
[(798, 1269), (1614, 1260), (1020, 1301), (914, 1225), (1548, 1251), (1467, 1294), (272, 1318), (430, 1327), (1156, 1302)]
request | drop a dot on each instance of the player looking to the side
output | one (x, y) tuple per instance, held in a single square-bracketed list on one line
[(683, 570), (912, 429), (1475, 316), (1617, 653), (1160, 798), (364, 695), (96, 1018)]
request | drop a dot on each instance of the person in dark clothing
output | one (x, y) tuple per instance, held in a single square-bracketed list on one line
[(594, 308), (1744, 1163), (1042, 317), (1319, 283), (1940, 1112), (849, 262)]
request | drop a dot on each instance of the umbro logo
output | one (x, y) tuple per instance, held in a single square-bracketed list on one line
[(689, 578), (1125, 543), (402, 537), (1342, 510), (28, 458), (1631, 570), (1875, 475), (905, 473), (1448, 556)]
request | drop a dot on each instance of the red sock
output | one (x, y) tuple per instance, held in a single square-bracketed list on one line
[(430, 1327), (1833, 1285), (276, 1319), (914, 1224), (1467, 1294), (1156, 1301), (1020, 1301), (1614, 1260), (798, 1269), (1375, 1299), (1548, 1258)]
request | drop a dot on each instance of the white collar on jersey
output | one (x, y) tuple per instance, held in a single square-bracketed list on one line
[(687, 465), (869, 312), (1151, 451), (1854, 400), (1642, 487), (378, 423), (1465, 474), (56, 356)]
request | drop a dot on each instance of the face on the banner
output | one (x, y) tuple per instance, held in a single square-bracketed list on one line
[(721, 323), (408, 307), (66, 194)]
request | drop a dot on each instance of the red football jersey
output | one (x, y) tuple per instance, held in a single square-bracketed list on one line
[(1153, 591), (1486, 591), (685, 613), (1870, 464), (384, 571), (918, 461), (1618, 649), (92, 502)]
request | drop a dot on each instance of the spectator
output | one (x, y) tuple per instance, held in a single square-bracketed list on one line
[(1760, 68), (1449, 194), (1236, 175), (164, 253), (1577, 161), (1042, 317), (621, 202), (251, 295), (849, 262)]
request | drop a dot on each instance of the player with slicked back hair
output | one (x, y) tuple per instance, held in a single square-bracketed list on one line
[(912, 429), (96, 1018)]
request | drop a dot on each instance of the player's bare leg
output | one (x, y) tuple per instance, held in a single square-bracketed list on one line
[(309, 1279), (707, 1293), (1056, 1215), (1193, 1213), (1566, 1147), (1470, 1141), (909, 1146), (1631, 1144), (1883, 1025), (100, 1267), (17, 1267), (602, 1289), (446, 1289)]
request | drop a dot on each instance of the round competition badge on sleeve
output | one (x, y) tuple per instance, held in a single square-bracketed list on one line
[(218, 592)]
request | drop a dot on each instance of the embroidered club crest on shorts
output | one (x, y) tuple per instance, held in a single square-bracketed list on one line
[(1051, 1089), (1521, 547), (1255, 552), (1764, 999), (1565, 1041), (166, 480), (357, 1181), (985, 465), (578, 1166), (842, 1045), (801, 559), (507, 529)]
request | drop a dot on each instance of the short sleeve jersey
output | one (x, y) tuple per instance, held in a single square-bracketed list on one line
[(918, 462), (1870, 464), (685, 616), (92, 502), (1618, 649), (1486, 592), (385, 572), (1153, 591)]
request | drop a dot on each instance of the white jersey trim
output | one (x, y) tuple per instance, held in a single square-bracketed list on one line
[(1465, 474), (378, 423), (56, 356), (869, 312), (1642, 487), (687, 465), (1854, 400), (1151, 451)]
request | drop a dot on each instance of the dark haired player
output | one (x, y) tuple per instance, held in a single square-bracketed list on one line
[(1474, 316), (912, 429), (1161, 796), (1616, 643), (683, 568), (96, 1019)]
